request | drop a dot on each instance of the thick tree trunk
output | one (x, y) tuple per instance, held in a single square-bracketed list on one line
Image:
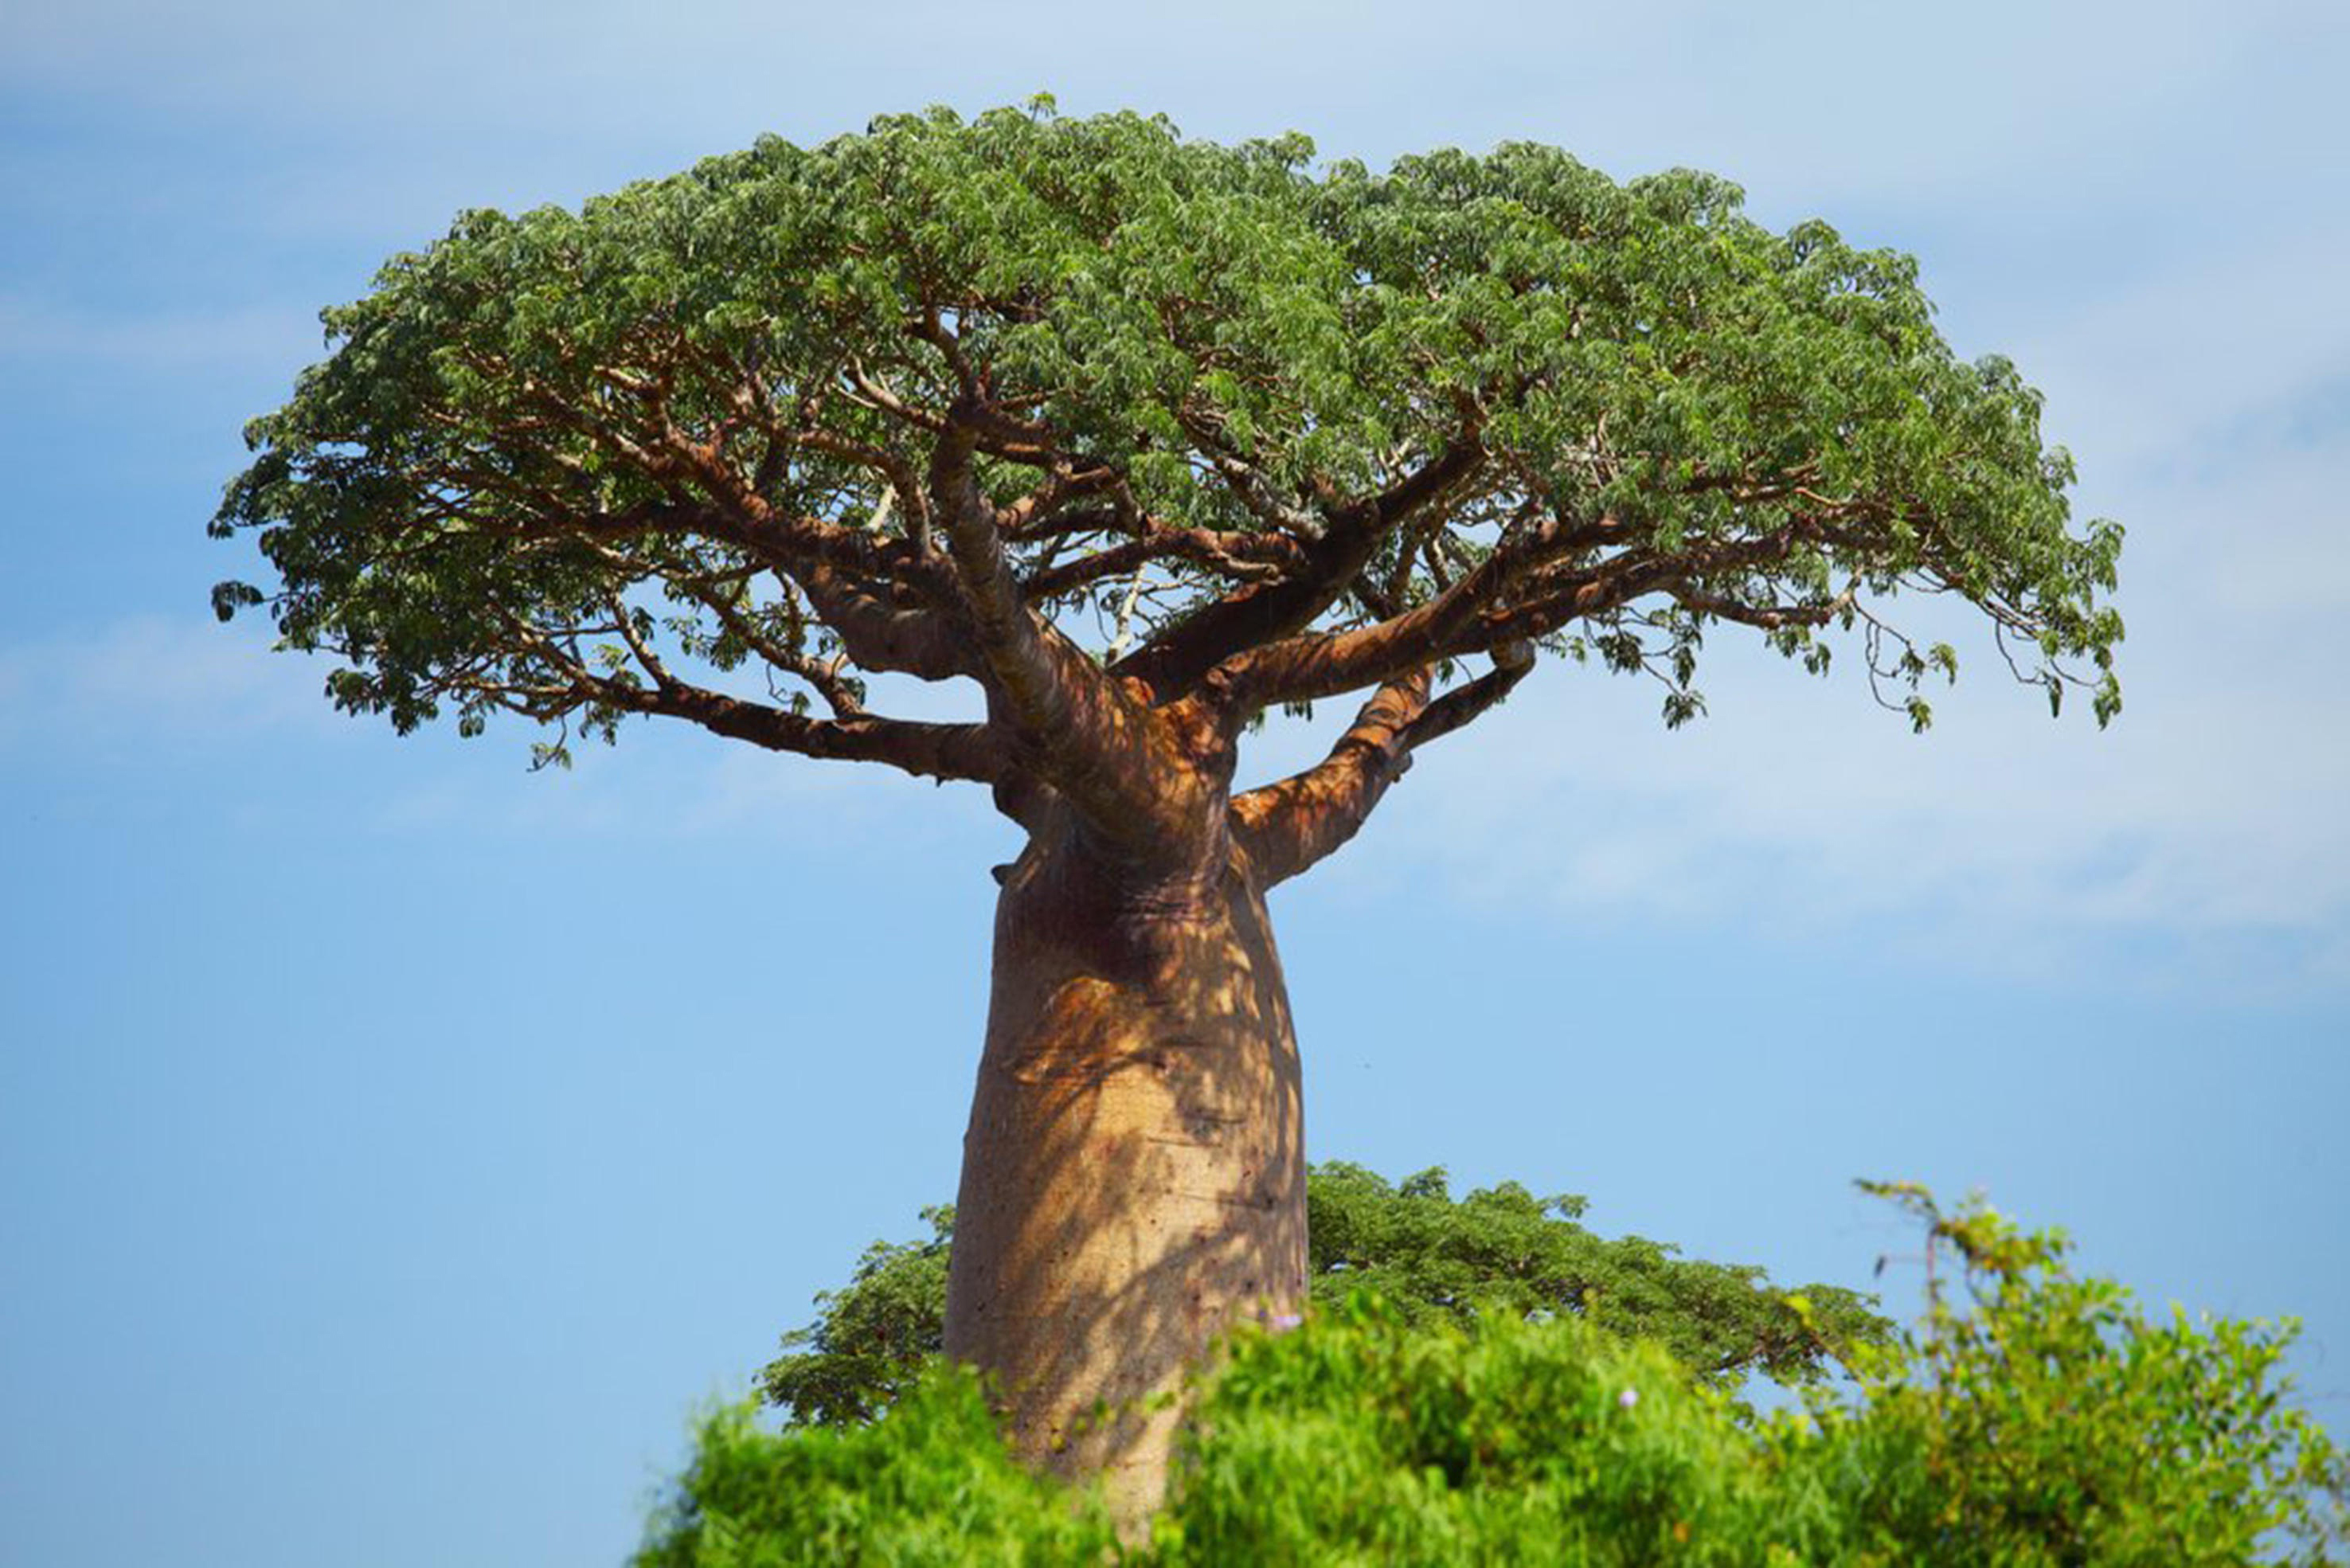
[(1133, 1178)]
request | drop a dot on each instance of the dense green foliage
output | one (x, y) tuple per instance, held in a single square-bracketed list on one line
[(559, 459), (2043, 1422), (1503, 1252), (931, 1487), (2047, 1418), (1498, 1253), (872, 1338)]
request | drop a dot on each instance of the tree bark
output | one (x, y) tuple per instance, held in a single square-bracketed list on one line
[(1134, 1176)]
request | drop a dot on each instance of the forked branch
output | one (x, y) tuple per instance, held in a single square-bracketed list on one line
[(1285, 827), (1174, 661), (1524, 590), (966, 752), (1108, 756)]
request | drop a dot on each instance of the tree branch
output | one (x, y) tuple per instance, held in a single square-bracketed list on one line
[(1107, 755), (1252, 558), (1175, 661), (1556, 598), (851, 578), (1288, 828), (971, 753), (822, 674), (1325, 664), (1240, 477), (965, 752), (1768, 617)]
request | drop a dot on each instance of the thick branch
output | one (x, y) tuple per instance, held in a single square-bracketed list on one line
[(1174, 661), (1300, 669), (1512, 596), (929, 751), (1288, 826), (879, 635), (973, 753), (847, 574), (1463, 704), (1108, 755)]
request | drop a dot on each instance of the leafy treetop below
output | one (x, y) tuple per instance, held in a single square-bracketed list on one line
[(1499, 1255), (2034, 1419)]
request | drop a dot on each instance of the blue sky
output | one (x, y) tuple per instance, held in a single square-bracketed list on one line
[(396, 1146)]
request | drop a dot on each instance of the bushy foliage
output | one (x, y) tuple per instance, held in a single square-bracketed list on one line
[(2046, 1418), (1503, 1252), (1367, 1440), (2039, 1420), (687, 423), (872, 1337), (930, 1487), (1500, 1252)]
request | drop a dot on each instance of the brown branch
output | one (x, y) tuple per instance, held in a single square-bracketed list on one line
[(851, 578), (855, 584), (853, 581), (625, 623), (1513, 596), (1288, 828), (1462, 705), (972, 752), (895, 470), (1250, 557), (1769, 618), (877, 394), (822, 674), (1284, 827), (1325, 664), (878, 634), (1560, 597), (967, 752), (1109, 757), (1027, 514), (1240, 477), (989, 429), (1179, 656)]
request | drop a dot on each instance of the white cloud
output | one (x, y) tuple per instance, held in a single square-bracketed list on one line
[(2272, 539), (153, 676), (2207, 814), (2199, 363)]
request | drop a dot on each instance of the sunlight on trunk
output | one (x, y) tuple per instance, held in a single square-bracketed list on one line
[(1134, 1177)]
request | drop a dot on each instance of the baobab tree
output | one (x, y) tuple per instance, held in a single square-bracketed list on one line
[(1142, 439)]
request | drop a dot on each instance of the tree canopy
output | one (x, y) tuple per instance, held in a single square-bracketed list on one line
[(1110, 421)]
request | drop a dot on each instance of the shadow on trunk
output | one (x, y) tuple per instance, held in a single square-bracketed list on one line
[(1134, 1177)]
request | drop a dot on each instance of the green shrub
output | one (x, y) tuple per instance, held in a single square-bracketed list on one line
[(2032, 1419), (2047, 1420), (930, 1486), (1364, 1439)]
